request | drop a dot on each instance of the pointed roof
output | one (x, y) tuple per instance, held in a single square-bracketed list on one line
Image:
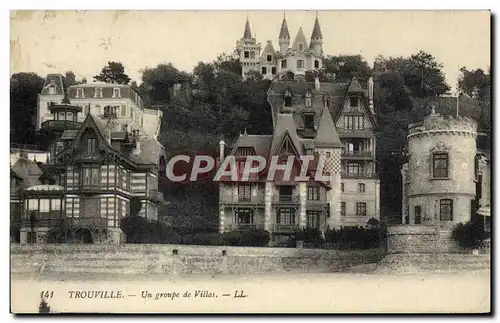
[(355, 86), (284, 30), (269, 49), (327, 136), (300, 39), (285, 125), (248, 33), (316, 33)]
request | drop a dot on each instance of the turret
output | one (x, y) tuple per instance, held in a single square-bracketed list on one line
[(316, 38), (249, 50), (284, 37)]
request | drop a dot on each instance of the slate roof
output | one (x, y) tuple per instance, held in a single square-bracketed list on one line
[(327, 136), (28, 170), (300, 38), (247, 33), (284, 33), (316, 33), (285, 124)]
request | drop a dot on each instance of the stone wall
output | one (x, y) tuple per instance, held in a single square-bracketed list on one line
[(419, 239), (179, 259)]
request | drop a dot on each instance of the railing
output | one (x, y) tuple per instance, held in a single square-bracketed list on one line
[(285, 227), (356, 154), (359, 175), (89, 187), (285, 199), (242, 199), (348, 133), (60, 125)]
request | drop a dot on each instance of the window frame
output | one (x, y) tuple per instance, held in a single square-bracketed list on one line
[(437, 172), (445, 205), (313, 193), (361, 188), (361, 209), (342, 209)]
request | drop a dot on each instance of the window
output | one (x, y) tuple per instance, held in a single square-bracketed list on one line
[(245, 151), (244, 216), (342, 208), (283, 63), (60, 116), (98, 93), (316, 64), (446, 210), (313, 193), (264, 70), (91, 146), (241, 166), (116, 93), (353, 101), (308, 99), (440, 165), (342, 187), (252, 54), (418, 214), (52, 90), (79, 93), (309, 121), (300, 63), (246, 54), (288, 98), (301, 47), (273, 70), (361, 208), (286, 193), (359, 122), (354, 168), (361, 187), (285, 216), (97, 109), (312, 219), (69, 116), (327, 154), (124, 111), (244, 192), (269, 58), (348, 122)]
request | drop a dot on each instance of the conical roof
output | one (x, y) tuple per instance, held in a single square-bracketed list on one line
[(300, 39), (316, 33), (284, 33), (248, 33), (327, 136)]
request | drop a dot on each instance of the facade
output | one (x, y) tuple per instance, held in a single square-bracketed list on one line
[(295, 57), (335, 121), (441, 177), (101, 99), (95, 164)]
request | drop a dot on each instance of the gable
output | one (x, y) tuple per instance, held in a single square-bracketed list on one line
[(287, 146), (359, 109)]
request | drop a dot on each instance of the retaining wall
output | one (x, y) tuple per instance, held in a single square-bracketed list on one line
[(180, 259), (419, 239)]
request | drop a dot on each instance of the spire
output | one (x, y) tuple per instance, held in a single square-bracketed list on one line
[(300, 39), (327, 136), (248, 33), (316, 33), (284, 29)]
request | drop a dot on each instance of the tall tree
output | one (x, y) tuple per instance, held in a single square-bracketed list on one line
[(477, 84), (113, 72), (69, 79), (342, 68), (424, 76), (24, 90)]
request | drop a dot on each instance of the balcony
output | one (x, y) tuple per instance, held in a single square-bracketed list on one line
[(345, 133), (60, 125), (109, 115), (360, 175), (238, 199), (89, 188), (284, 228), (357, 154), (316, 205), (286, 199)]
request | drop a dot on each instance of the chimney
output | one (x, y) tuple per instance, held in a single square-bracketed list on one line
[(222, 146), (316, 83), (370, 94)]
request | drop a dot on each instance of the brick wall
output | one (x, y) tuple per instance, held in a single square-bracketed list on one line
[(159, 259)]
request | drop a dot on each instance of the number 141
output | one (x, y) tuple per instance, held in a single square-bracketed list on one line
[(47, 294)]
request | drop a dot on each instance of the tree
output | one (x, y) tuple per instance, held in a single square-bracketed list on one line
[(24, 90), (342, 68), (424, 77), (113, 72), (157, 83), (477, 84), (69, 79)]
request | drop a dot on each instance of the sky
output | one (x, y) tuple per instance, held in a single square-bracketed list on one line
[(84, 41)]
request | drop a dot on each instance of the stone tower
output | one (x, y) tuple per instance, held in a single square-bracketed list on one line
[(440, 173), (248, 50)]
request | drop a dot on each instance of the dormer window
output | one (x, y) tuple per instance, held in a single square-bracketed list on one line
[(79, 93), (269, 58), (288, 98), (354, 101), (52, 90), (116, 93), (98, 93), (309, 121), (308, 99), (301, 47)]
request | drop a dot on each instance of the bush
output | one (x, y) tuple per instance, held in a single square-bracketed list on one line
[(251, 238), (309, 236), (141, 230), (208, 239), (469, 235), (353, 238)]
